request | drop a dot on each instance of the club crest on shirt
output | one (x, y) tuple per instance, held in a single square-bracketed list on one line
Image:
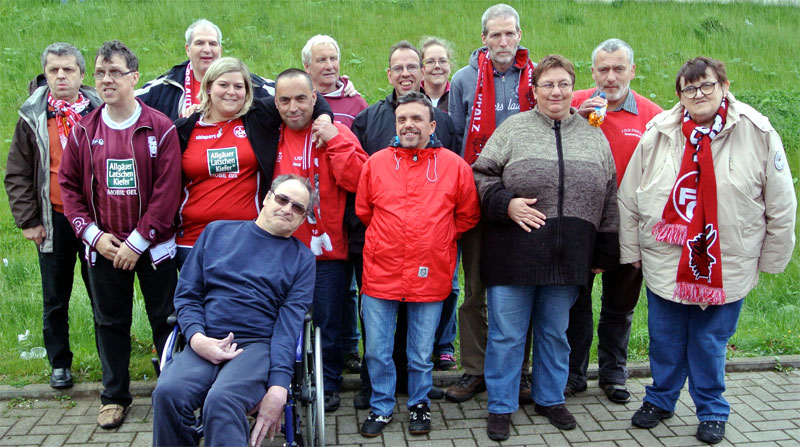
[(239, 132), (152, 145)]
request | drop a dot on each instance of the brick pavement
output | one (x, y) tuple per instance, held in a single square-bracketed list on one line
[(765, 412)]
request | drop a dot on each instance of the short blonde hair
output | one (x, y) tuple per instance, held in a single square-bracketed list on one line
[(218, 68)]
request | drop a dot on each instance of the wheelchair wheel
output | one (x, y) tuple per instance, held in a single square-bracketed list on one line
[(312, 380)]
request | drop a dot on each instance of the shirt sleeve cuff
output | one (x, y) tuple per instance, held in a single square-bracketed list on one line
[(194, 328), (137, 242), (92, 234), (279, 378)]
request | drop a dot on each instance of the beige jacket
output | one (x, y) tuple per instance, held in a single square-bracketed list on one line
[(756, 203)]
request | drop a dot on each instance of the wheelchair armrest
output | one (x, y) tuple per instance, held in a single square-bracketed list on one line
[(172, 319)]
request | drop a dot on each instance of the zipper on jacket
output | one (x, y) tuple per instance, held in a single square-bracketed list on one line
[(560, 152)]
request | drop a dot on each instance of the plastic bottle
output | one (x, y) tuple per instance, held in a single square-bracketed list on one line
[(597, 117)]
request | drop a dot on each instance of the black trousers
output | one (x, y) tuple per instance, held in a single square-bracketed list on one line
[(113, 309), (58, 272), (621, 287)]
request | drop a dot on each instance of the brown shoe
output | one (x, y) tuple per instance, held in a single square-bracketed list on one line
[(112, 416), (466, 387), (499, 426), (558, 415)]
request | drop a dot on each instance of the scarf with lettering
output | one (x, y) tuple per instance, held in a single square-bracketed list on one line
[(482, 120), (187, 87), (67, 114), (690, 215)]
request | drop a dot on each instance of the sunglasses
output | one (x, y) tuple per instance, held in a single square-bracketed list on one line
[(282, 200)]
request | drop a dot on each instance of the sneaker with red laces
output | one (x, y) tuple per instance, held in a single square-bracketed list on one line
[(445, 362)]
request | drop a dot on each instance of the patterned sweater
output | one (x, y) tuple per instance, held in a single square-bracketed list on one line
[(567, 165)]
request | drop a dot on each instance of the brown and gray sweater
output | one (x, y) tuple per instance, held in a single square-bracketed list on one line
[(567, 165)]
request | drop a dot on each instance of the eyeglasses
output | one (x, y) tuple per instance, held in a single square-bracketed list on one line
[(563, 86), (430, 63), (398, 69), (115, 74), (691, 91), (282, 200)]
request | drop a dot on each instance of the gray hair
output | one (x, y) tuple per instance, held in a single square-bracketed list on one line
[(497, 11), (313, 198), (64, 49), (202, 23), (612, 45), (319, 39)]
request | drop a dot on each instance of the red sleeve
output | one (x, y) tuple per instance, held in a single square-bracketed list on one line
[(468, 209), (70, 178), (162, 207), (346, 158), (364, 196)]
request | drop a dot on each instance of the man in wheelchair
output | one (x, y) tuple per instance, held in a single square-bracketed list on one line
[(241, 299)]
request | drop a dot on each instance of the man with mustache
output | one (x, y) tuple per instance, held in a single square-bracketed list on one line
[(493, 86), (626, 117), (58, 101)]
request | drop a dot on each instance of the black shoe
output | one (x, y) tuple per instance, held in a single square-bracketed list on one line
[(361, 399), (352, 363), (499, 426), (466, 387), (574, 388), (616, 393), (712, 432), (419, 419), (558, 415), (374, 424), (332, 401), (649, 415), (525, 381), (61, 378), (436, 393)]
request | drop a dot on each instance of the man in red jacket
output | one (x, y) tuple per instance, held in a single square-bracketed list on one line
[(333, 166), (627, 115), (120, 179), (416, 199)]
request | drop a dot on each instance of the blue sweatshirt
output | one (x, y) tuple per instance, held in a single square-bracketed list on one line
[(239, 278)]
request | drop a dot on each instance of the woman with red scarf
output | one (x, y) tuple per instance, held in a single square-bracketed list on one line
[(706, 203)]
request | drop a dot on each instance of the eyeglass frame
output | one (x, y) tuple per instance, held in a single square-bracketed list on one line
[(700, 88), (110, 75), (561, 86), (433, 62), (297, 208), (398, 69)]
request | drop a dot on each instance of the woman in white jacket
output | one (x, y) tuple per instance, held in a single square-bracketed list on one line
[(707, 201)]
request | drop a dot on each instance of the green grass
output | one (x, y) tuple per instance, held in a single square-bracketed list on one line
[(759, 44)]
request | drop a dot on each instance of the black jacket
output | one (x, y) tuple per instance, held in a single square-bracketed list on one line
[(165, 93), (263, 126)]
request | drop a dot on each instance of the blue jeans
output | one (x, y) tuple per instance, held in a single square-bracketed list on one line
[(329, 294), (687, 341), (446, 331), (380, 321), (512, 309)]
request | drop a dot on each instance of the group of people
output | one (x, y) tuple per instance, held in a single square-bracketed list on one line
[(499, 168)]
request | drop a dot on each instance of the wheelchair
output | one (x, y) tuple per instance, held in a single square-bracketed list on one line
[(304, 413)]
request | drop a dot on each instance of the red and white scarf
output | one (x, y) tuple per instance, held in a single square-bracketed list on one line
[(482, 120), (67, 114), (690, 215), (187, 87)]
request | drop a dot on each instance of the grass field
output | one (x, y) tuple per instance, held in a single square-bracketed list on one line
[(759, 43)]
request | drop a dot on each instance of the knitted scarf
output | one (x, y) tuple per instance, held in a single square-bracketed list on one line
[(690, 215), (67, 114), (482, 120)]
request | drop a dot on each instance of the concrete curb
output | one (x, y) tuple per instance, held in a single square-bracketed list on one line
[(353, 382)]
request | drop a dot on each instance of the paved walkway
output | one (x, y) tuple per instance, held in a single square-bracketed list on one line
[(765, 412)]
